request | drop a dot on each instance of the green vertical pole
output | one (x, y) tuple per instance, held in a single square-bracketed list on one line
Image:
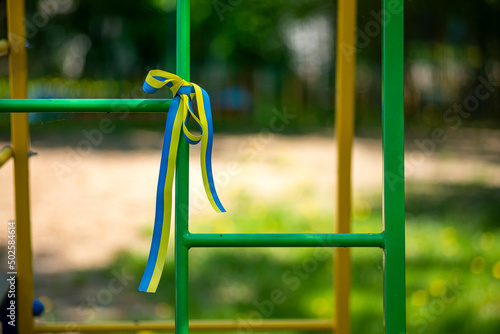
[(182, 180), (393, 143)]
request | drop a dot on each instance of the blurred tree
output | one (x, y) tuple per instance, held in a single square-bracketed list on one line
[(239, 40)]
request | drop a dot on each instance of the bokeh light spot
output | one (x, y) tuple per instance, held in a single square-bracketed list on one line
[(437, 287), (496, 270), (320, 306), (477, 265), (487, 241), (448, 236), (362, 210), (419, 298), (47, 303)]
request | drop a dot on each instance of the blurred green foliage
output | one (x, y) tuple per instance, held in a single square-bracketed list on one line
[(453, 271), (267, 50)]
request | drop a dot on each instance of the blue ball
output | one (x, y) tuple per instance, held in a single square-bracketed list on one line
[(38, 307)]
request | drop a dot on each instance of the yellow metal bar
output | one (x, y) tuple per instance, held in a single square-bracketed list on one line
[(4, 47), (20, 145), (319, 325), (5, 154), (344, 123)]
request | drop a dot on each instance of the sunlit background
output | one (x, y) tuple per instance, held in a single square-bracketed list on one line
[(93, 208)]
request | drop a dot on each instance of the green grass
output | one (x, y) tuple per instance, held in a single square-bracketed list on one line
[(452, 252)]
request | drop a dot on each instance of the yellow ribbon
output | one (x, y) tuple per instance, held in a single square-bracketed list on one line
[(181, 109)]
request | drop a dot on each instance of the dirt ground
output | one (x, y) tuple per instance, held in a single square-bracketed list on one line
[(88, 205)]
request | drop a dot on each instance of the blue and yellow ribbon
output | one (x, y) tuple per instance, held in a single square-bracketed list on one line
[(180, 111)]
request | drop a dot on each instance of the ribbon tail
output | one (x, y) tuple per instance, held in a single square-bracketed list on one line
[(190, 138), (205, 114), (161, 231)]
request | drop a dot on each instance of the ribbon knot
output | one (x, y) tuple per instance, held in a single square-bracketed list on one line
[(180, 111), (183, 90)]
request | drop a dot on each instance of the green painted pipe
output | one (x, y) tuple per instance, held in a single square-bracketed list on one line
[(283, 240), (394, 176), (182, 179), (84, 105)]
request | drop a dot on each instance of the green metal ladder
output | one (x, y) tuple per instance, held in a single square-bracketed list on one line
[(391, 239)]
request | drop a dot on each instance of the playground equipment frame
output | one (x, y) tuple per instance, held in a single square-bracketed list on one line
[(391, 239)]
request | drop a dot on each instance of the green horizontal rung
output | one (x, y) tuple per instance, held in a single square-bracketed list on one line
[(84, 105), (284, 240)]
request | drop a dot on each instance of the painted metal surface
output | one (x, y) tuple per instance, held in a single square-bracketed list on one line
[(84, 105), (319, 325), (18, 77), (393, 147), (182, 180), (344, 129), (283, 240)]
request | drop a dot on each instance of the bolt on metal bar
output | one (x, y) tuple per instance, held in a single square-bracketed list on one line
[(283, 240), (84, 105)]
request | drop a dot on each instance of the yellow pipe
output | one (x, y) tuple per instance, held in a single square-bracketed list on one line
[(20, 146), (196, 325), (5, 154), (4, 47), (344, 123)]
